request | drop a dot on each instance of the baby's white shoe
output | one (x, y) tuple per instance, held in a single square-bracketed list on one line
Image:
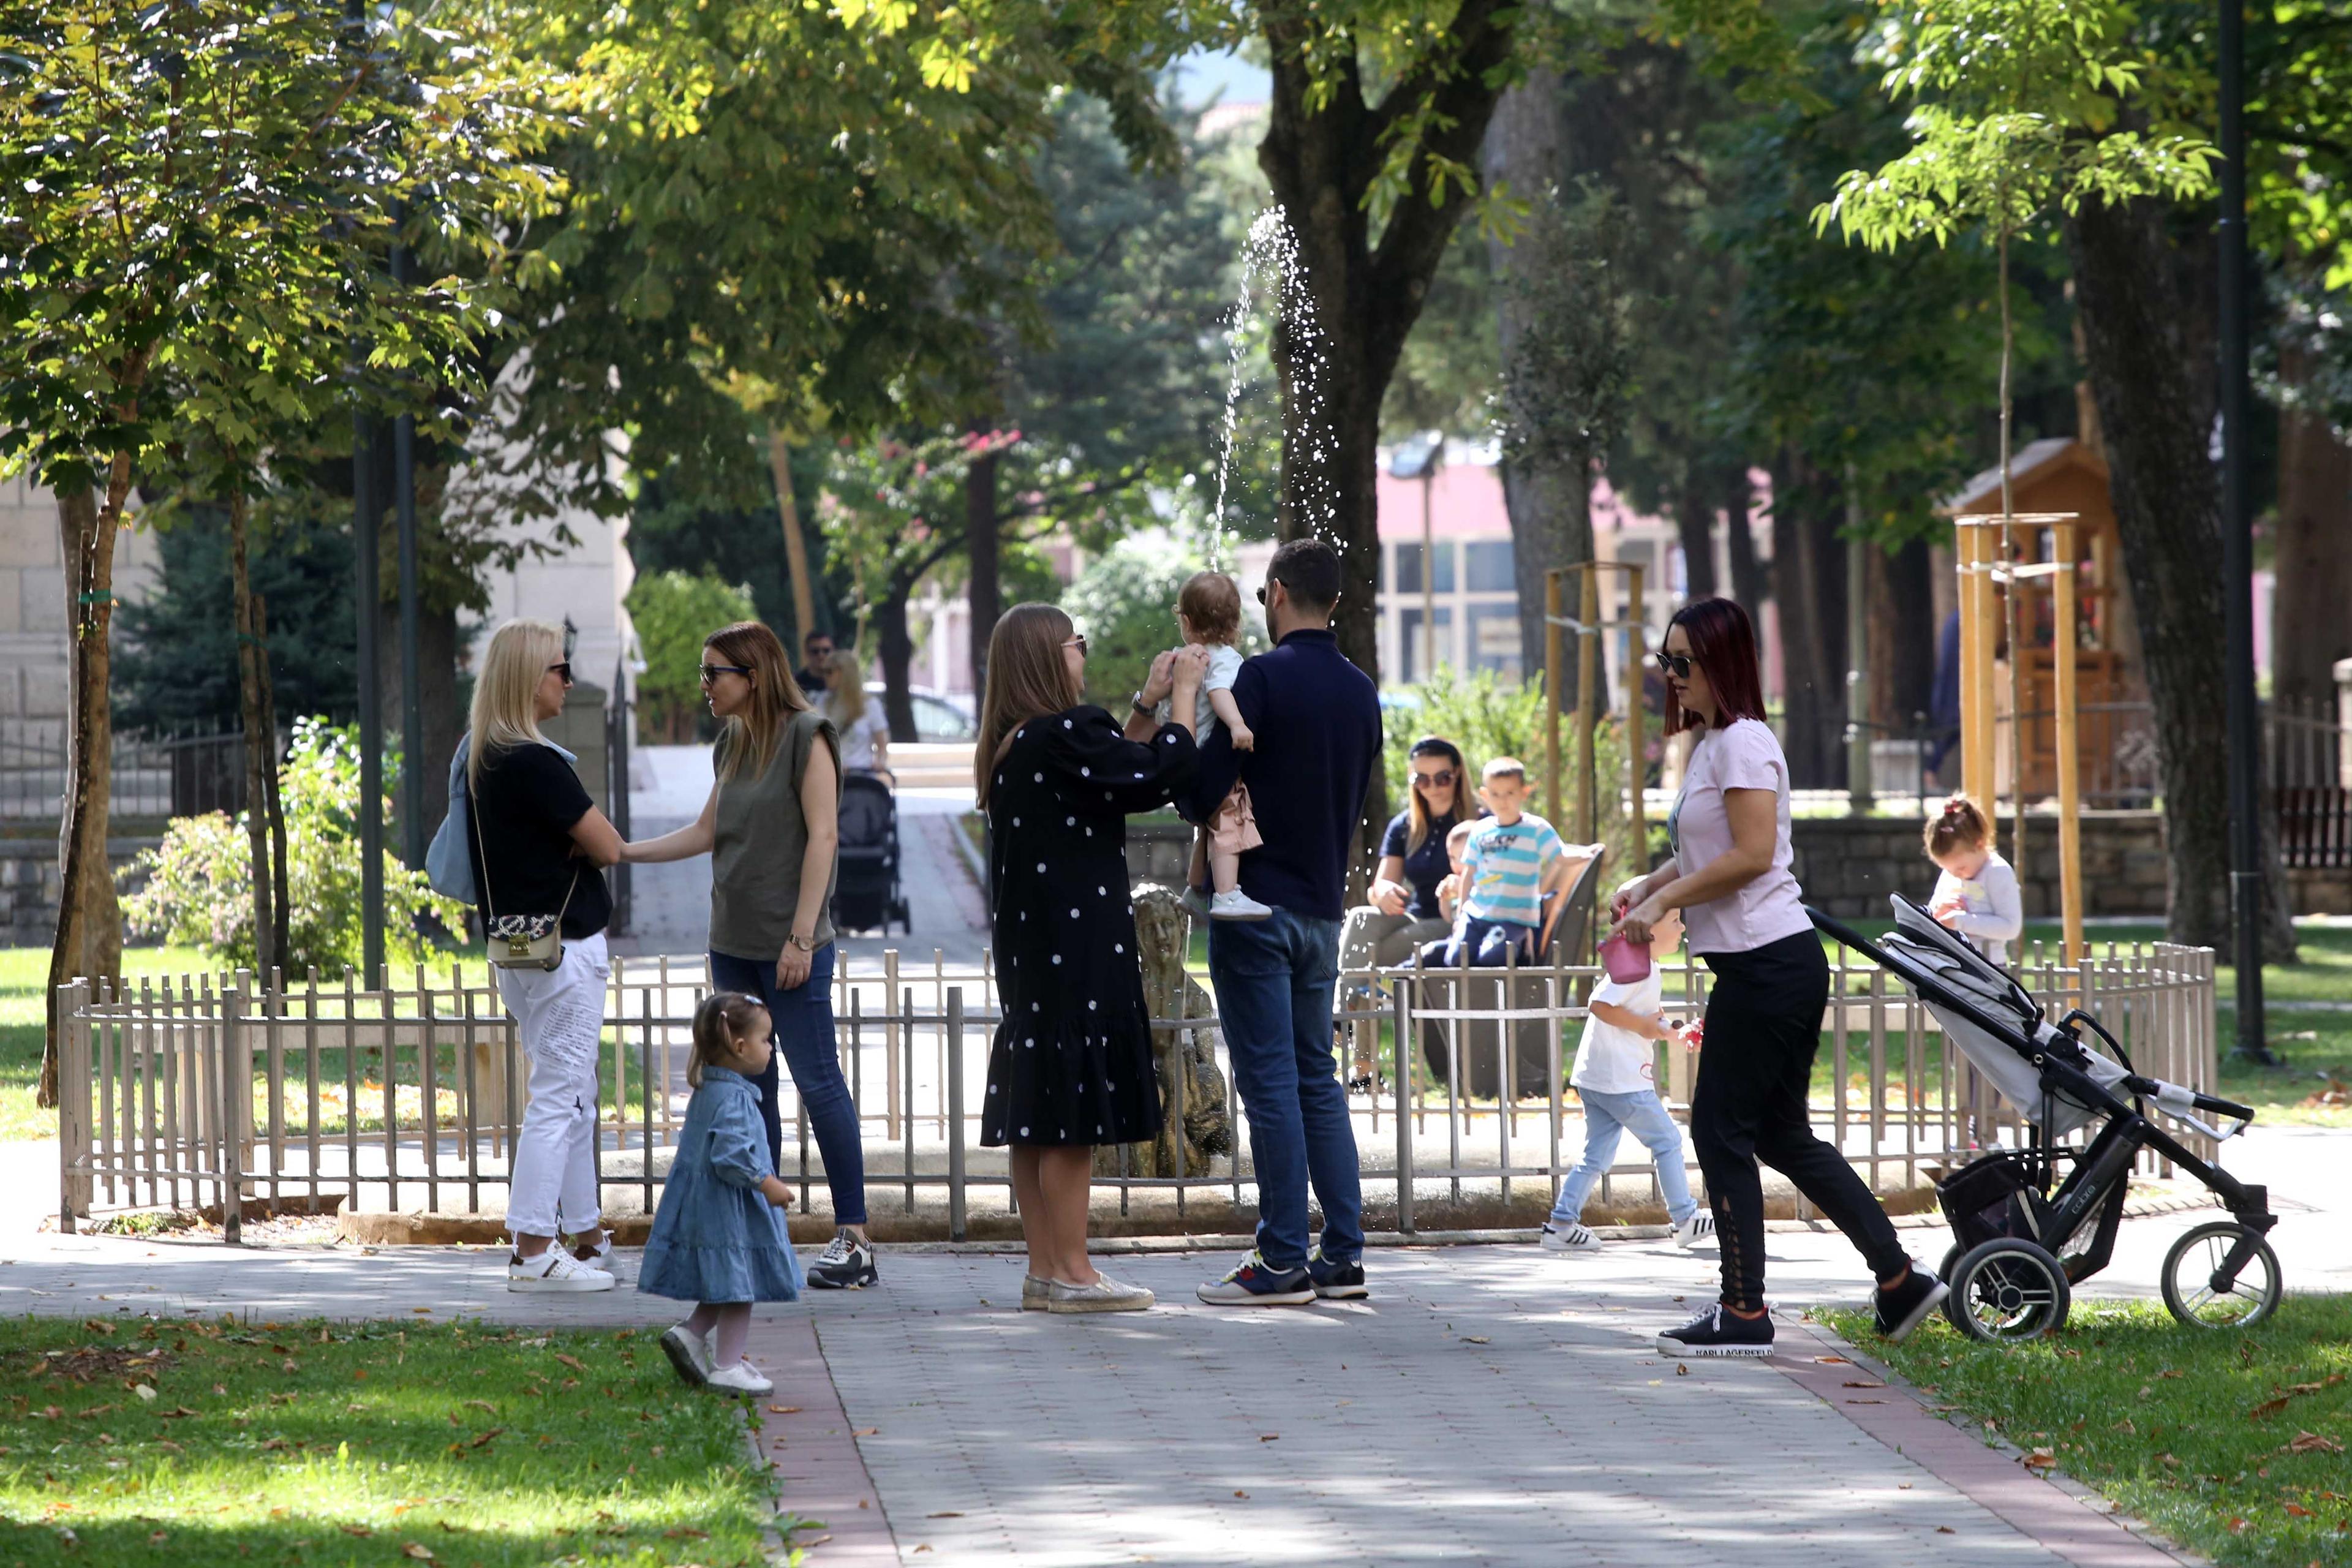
[(741, 1379), (1233, 904)]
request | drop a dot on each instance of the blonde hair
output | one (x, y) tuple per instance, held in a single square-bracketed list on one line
[(753, 735), (1027, 678), (1212, 603), (1962, 824), (724, 1017), (844, 689), (506, 693)]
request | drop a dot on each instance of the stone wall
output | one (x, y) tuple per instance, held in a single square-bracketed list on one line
[(29, 881), (1848, 865)]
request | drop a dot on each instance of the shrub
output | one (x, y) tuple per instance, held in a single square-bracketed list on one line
[(199, 885), (1487, 718), (673, 612)]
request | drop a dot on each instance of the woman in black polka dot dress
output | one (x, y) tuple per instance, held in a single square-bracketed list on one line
[(1071, 1064)]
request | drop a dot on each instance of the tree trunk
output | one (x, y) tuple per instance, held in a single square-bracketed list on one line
[(1323, 149), (1748, 583), (89, 939), (2309, 628), (275, 805), (1550, 505), (1902, 635), (1808, 588), (2141, 304), (898, 652), (788, 511), (981, 548), (1694, 528), (260, 747)]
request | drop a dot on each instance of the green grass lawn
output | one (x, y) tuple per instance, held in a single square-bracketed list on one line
[(24, 981), (2233, 1444), (181, 1445)]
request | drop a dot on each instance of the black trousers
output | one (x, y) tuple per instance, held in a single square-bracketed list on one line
[(1763, 1025)]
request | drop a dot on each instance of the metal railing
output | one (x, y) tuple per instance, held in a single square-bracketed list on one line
[(221, 1091), (183, 773)]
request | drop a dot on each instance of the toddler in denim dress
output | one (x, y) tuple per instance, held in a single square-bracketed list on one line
[(718, 1237)]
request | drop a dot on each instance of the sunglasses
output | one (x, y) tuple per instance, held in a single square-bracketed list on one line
[(1678, 665), (1079, 643), (712, 672), (563, 669), (1441, 778)]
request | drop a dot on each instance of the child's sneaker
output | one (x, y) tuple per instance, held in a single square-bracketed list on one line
[(1233, 904), (687, 1354), (1696, 1231), (1905, 1305), (1570, 1237), (554, 1270), (1718, 1332), (741, 1379)]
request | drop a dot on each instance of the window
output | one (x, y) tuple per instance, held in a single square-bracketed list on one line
[(1408, 567), (1409, 664), (1495, 639), (1486, 563)]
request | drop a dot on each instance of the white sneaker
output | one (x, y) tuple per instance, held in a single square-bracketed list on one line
[(741, 1379), (1571, 1237), (1104, 1295), (688, 1352), (555, 1270), (1696, 1231), (597, 1254), (1233, 904)]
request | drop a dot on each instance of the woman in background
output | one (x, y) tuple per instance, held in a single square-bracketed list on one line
[(865, 731)]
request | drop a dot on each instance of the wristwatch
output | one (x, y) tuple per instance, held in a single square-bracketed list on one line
[(805, 943), (1141, 705)]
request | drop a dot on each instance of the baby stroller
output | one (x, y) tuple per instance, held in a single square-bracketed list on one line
[(2023, 1236), (866, 895)]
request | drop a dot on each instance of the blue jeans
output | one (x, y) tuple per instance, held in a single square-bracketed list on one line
[(1484, 944), (806, 1043), (1607, 1115), (1274, 980)]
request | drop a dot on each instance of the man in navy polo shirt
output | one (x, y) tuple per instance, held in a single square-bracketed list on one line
[(1317, 720)]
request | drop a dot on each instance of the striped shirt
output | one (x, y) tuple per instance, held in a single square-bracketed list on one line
[(1505, 863)]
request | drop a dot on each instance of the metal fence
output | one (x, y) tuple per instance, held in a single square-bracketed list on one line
[(217, 1089), (171, 774)]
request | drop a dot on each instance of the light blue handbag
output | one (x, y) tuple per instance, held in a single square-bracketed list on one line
[(446, 865)]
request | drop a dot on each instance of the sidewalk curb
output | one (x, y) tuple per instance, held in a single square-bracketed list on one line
[(2016, 1481)]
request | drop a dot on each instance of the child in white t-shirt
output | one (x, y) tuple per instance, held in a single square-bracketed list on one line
[(1977, 895), (1209, 613), (1616, 1077)]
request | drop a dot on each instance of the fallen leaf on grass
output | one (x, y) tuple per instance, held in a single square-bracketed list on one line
[(2039, 1459), (175, 1412), (167, 1442), (2311, 1443), (2167, 1460), (571, 1361), (356, 1530), (2297, 1510), (419, 1550), (686, 1532), (483, 1405), (483, 1441), (2236, 1527), (143, 1392)]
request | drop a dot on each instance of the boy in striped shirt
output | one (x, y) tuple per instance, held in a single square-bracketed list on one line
[(1512, 860)]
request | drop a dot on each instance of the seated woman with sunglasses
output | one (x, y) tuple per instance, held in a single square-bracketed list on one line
[(771, 827), (1405, 911)]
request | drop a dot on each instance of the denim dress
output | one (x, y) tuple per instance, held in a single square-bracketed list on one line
[(716, 1237)]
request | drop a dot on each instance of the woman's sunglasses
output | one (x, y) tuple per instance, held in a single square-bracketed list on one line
[(1678, 665), (712, 672), (563, 669), (1441, 778), (1079, 643)]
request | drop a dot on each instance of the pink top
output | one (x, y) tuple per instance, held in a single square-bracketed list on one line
[(1746, 755)]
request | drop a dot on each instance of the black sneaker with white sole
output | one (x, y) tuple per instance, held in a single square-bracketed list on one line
[(845, 1264), (1905, 1305), (1719, 1332), (1336, 1282)]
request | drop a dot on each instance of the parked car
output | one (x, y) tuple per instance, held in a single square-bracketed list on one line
[(940, 717)]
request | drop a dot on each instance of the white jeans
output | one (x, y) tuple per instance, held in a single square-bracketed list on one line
[(559, 1014)]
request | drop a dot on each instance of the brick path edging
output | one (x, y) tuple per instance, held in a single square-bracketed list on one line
[(804, 1440), (2064, 1515)]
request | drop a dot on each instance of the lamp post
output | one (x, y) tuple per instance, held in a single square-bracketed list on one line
[(1418, 459), (2246, 869), (412, 706)]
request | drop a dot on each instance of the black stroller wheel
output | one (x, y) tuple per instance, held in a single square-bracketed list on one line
[(2195, 1291), (1945, 1270), (2009, 1291)]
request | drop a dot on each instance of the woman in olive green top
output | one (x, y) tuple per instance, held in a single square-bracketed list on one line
[(770, 828)]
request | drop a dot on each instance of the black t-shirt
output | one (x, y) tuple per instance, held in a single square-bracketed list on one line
[(526, 801), (1425, 866)]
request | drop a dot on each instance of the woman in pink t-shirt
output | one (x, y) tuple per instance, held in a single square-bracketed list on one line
[(1745, 917)]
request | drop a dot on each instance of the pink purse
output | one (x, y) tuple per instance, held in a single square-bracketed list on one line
[(1628, 962)]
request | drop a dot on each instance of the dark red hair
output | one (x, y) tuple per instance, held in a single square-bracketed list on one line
[(1723, 643)]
